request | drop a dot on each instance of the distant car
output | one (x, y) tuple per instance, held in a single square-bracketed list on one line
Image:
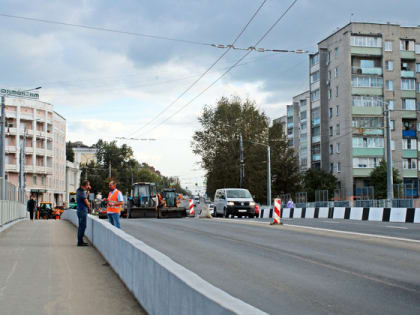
[(234, 202), (196, 200)]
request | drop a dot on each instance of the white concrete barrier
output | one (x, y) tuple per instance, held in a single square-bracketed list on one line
[(375, 214), (160, 285), (11, 211), (398, 215), (286, 213), (310, 213), (297, 213), (417, 215), (339, 213), (323, 213), (356, 213)]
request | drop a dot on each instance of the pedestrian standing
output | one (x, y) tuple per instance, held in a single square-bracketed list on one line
[(114, 205), (82, 211), (31, 206), (290, 204)]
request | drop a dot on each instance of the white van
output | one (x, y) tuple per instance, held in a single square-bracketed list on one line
[(233, 201)]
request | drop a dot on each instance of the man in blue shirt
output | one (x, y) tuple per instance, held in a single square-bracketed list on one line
[(82, 211)]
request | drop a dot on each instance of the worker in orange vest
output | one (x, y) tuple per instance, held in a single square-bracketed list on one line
[(114, 205)]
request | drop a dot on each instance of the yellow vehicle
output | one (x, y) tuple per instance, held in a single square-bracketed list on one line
[(44, 210)]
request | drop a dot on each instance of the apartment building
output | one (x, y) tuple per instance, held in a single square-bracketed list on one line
[(44, 132), (356, 71)]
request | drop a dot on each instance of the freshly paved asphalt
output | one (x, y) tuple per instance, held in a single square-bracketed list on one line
[(293, 270)]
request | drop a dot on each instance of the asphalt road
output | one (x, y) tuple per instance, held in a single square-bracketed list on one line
[(290, 269)]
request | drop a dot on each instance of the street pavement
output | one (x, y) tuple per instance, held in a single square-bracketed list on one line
[(290, 269), (42, 271)]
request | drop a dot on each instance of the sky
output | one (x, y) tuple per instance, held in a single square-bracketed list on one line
[(109, 85)]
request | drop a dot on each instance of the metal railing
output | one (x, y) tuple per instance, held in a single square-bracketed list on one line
[(13, 207)]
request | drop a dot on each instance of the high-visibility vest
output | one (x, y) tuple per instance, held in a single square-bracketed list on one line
[(113, 196)]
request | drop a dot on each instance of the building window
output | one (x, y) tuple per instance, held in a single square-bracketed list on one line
[(330, 112), (331, 149), (331, 131), (418, 67), (336, 91), (34, 180), (390, 65), (329, 93), (417, 48), (392, 145), (315, 95), (336, 72), (366, 162), (368, 101), (314, 60), (367, 81), (409, 104), (336, 51), (367, 122), (388, 45), (390, 85), (392, 124), (328, 58), (409, 164), (337, 112), (338, 167), (42, 180), (337, 129), (407, 45), (409, 144), (418, 87), (315, 77), (408, 84), (368, 142), (338, 148), (391, 104), (331, 167), (366, 41)]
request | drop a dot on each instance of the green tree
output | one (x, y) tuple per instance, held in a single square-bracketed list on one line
[(217, 142), (315, 179), (379, 182), (69, 152)]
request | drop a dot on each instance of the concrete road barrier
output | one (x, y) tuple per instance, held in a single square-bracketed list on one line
[(160, 285)]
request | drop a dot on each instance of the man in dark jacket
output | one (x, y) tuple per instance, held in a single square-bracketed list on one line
[(31, 207), (82, 211)]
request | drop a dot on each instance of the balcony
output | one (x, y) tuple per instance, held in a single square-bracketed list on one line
[(11, 167), (407, 74), (49, 170), (26, 116), (406, 54), (316, 157), (376, 71), (409, 133), (10, 149), (366, 51), (369, 91), (375, 110), (49, 152), (409, 173), (11, 130), (362, 172), (29, 168), (408, 114), (368, 151), (316, 122), (29, 150), (409, 153), (316, 139)]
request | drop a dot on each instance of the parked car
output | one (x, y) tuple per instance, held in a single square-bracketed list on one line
[(45, 210), (196, 200), (234, 202)]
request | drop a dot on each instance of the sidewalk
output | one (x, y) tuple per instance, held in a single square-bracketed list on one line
[(42, 271)]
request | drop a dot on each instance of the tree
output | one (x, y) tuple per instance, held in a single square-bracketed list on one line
[(69, 152), (379, 181), (218, 145), (315, 179)]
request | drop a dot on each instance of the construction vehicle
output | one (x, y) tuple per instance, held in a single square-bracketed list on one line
[(145, 202), (44, 210)]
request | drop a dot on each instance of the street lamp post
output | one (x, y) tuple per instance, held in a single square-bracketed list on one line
[(389, 179)]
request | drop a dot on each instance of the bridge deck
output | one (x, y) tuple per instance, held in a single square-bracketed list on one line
[(42, 271)]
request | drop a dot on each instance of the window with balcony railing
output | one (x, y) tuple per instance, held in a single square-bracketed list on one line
[(365, 41), (315, 95), (409, 144), (366, 162), (368, 101), (408, 84), (367, 122), (367, 81), (368, 142), (409, 164), (409, 104)]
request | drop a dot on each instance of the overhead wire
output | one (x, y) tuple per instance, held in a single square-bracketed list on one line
[(228, 70), (204, 73)]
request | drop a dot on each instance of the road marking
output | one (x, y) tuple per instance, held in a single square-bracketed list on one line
[(396, 227), (331, 222), (325, 230)]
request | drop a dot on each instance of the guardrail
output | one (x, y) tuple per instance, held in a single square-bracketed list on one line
[(159, 284), (11, 211)]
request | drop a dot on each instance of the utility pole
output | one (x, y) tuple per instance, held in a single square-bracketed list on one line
[(2, 148), (389, 179), (241, 162), (268, 177)]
